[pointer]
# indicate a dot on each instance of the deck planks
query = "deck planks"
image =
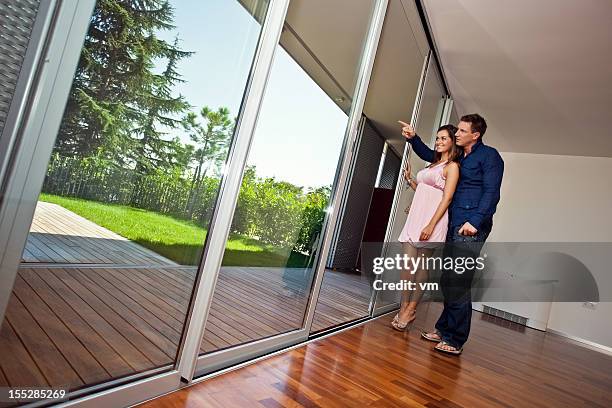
(16, 362)
(98, 323)
(97, 345)
(119, 308)
(96, 320)
(61, 236)
(52, 364)
(84, 363)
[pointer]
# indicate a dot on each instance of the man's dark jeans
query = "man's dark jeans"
(454, 322)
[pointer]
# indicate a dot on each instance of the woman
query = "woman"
(427, 221)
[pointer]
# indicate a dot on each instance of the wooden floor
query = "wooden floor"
(78, 325)
(503, 365)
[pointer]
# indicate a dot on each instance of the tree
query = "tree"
(212, 136)
(117, 100)
(159, 107)
(313, 217)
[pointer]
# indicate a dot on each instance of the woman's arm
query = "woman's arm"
(452, 178)
(411, 182)
(420, 148)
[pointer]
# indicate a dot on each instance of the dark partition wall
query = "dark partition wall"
(352, 222)
(390, 170)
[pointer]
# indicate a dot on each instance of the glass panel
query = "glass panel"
(264, 283)
(430, 113)
(111, 259)
(346, 291)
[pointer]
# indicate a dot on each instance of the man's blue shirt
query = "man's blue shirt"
(478, 190)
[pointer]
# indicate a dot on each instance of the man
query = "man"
(470, 221)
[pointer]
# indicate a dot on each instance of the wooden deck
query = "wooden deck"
(61, 236)
(106, 317)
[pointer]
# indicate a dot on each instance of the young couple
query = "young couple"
(454, 201)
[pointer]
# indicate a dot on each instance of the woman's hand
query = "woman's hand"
(407, 175)
(407, 171)
(426, 233)
(407, 130)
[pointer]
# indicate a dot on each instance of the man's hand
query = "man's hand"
(407, 130)
(467, 229)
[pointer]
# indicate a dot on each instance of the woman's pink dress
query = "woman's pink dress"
(430, 186)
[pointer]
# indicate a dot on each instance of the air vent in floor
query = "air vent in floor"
(505, 315)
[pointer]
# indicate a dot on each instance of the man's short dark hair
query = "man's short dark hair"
(477, 122)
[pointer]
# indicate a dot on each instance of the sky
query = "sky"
(300, 129)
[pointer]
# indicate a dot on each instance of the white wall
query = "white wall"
(548, 198)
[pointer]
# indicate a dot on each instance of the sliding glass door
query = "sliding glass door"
(270, 258)
(111, 258)
(168, 209)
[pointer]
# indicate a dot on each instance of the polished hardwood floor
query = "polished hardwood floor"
(503, 365)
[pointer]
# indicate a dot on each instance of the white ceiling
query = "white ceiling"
(540, 72)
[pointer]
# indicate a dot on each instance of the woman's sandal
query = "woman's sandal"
(449, 350)
(397, 325)
(432, 336)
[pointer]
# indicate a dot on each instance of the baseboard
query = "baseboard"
(582, 342)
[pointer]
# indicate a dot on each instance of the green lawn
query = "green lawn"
(173, 238)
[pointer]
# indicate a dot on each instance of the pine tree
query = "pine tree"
(160, 108)
(118, 103)
(212, 138)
